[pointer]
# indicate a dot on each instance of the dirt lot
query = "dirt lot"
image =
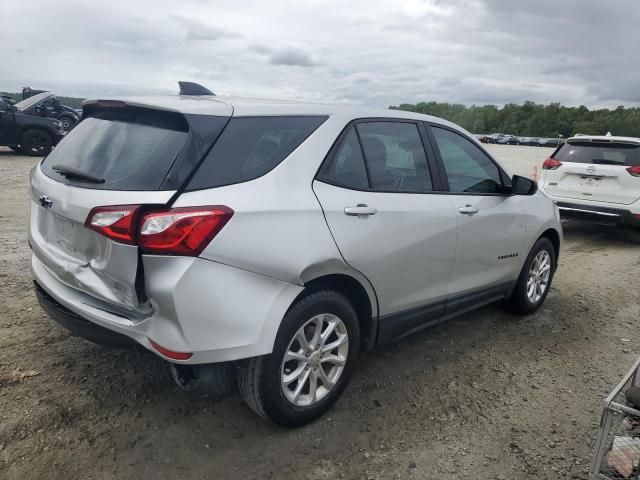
(489, 395)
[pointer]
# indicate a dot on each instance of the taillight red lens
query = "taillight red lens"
(551, 164)
(115, 222)
(635, 170)
(181, 231)
(169, 353)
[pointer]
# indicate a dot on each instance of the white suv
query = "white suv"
(596, 178)
(280, 239)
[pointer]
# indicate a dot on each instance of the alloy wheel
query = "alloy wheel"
(314, 360)
(539, 274)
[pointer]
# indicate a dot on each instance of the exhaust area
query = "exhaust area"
(206, 378)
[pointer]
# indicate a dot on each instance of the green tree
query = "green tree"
(533, 119)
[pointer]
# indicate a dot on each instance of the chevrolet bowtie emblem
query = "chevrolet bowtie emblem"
(45, 201)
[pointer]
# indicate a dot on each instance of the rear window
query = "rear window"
(119, 149)
(599, 153)
(250, 147)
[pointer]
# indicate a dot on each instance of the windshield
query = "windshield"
(609, 153)
(31, 101)
(119, 149)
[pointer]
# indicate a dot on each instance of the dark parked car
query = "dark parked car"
(48, 105)
(31, 134)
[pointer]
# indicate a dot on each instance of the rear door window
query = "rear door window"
(119, 149)
(623, 154)
(250, 147)
(395, 157)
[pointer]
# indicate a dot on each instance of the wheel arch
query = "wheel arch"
(20, 130)
(364, 301)
(554, 237)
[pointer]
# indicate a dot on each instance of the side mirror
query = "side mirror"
(523, 186)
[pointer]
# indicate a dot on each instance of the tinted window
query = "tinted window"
(599, 153)
(346, 167)
(50, 103)
(469, 169)
(249, 147)
(395, 157)
(129, 148)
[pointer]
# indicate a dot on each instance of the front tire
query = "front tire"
(36, 142)
(67, 122)
(313, 358)
(534, 281)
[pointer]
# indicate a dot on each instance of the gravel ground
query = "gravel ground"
(488, 395)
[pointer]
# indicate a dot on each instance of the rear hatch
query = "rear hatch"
(597, 170)
(120, 157)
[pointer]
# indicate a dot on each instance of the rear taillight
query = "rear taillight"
(551, 164)
(635, 170)
(117, 222)
(181, 231)
(172, 354)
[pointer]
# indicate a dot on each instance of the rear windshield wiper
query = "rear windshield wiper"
(71, 172)
(601, 161)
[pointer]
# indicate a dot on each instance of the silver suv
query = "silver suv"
(280, 238)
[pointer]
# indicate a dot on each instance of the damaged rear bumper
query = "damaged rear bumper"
(216, 312)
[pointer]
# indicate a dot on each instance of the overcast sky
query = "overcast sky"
(357, 51)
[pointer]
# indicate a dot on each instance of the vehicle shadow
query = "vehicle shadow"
(599, 235)
(7, 152)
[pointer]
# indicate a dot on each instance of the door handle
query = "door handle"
(361, 210)
(468, 210)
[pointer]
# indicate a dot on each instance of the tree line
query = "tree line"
(533, 119)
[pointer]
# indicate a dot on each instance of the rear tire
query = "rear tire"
(533, 284)
(283, 390)
(36, 142)
(633, 233)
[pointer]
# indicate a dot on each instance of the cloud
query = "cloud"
(291, 57)
(376, 52)
(198, 30)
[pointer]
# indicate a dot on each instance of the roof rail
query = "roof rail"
(191, 88)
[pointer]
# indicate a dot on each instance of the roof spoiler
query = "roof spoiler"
(191, 88)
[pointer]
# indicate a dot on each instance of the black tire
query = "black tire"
(15, 148)
(36, 142)
(259, 379)
(632, 233)
(67, 122)
(519, 302)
